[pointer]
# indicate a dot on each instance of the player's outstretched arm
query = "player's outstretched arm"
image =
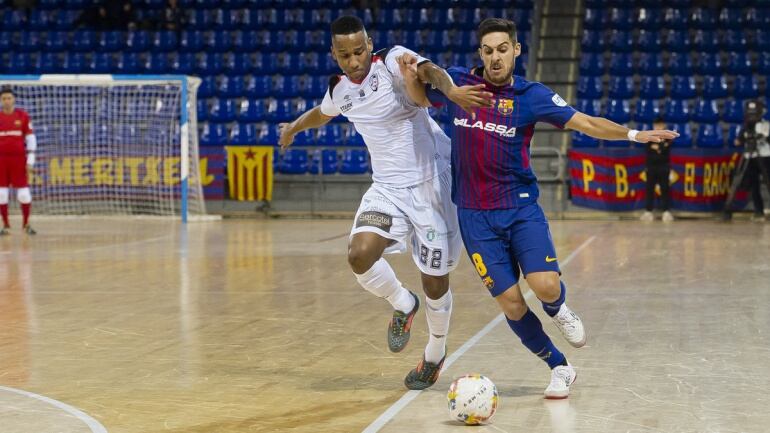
(308, 120)
(605, 129)
(415, 88)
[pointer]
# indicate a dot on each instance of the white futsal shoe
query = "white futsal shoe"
(570, 326)
(561, 378)
(667, 217)
(647, 216)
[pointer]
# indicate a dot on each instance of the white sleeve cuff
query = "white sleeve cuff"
(31, 158)
(632, 134)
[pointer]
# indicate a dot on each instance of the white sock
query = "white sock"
(437, 311)
(381, 281)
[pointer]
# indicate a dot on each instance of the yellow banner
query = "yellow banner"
(250, 172)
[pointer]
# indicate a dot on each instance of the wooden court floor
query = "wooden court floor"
(143, 326)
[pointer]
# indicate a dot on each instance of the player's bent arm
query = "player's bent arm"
(605, 129)
(415, 89)
(30, 142)
(310, 119)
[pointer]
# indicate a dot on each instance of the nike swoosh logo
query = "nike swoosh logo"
(550, 259)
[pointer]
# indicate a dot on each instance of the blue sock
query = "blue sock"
(551, 308)
(530, 331)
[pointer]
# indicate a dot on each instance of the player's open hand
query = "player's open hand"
(656, 136)
(471, 97)
(286, 137)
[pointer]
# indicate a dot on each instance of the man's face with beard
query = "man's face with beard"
(498, 52)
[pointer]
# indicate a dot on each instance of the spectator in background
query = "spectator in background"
(108, 15)
(658, 169)
(172, 17)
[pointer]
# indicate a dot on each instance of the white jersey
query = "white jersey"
(406, 145)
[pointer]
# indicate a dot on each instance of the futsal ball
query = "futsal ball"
(472, 399)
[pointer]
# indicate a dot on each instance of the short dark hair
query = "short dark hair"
(5, 90)
(347, 25)
(493, 25)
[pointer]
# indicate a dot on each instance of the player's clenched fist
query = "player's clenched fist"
(286, 135)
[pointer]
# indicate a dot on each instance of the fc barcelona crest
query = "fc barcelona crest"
(505, 106)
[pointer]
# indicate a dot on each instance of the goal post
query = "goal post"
(113, 144)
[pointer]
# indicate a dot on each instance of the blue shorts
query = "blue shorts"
(500, 242)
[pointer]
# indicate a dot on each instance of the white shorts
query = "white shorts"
(422, 215)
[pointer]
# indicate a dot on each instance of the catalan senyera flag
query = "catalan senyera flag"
(250, 172)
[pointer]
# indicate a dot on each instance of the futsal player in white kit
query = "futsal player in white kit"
(409, 200)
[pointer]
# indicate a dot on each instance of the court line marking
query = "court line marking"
(407, 398)
(93, 424)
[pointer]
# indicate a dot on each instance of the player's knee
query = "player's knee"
(435, 286)
(24, 195)
(4, 195)
(546, 285)
(361, 257)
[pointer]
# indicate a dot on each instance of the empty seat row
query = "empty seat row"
(705, 63)
(322, 161)
(647, 110)
(671, 17)
(334, 135)
(674, 40)
(681, 87)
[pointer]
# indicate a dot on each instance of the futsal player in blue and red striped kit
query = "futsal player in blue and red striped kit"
(504, 229)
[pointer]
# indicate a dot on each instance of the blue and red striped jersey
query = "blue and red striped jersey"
(490, 154)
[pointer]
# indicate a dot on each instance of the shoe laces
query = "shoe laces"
(566, 319)
(426, 370)
(561, 376)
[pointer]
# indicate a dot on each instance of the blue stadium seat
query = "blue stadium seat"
(222, 111)
(330, 135)
(427, 39)
(30, 41)
(739, 63)
(646, 110)
(709, 136)
(590, 87)
(677, 41)
(83, 40)
(49, 62)
(763, 64)
(191, 41)
(714, 87)
(352, 137)
(706, 40)
(595, 19)
(20, 63)
(74, 63)
(267, 41)
(679, 64)
(762, 37)
(253, 110)
(217, 40)
(202, 110)
(753, 18)
(65, 19)
(224, 19)
(181, 63)
(591, 64)
(245, 41)
(676, 111)
(621, 64)
(39, 20)
(621, 41)
(300, 105)
(706, 111)
(262, 64)
(745, 87)
(208, 86)
(708, 63)
(354, 161)
(285, 86)
(329, 66)
(732, 134)
(268, 135)
(213, 134)
(621, 19)
(243, 134)
(199, 19)
(54, 41)
(309, 63)
(127, 63)
(651, 64)
(703, 19)
(316, 40)
(682, 87)
(685, 135)
(209, 63)
(165, 41)
(734, 40)
(286, 63)
(258, 86)
(581, 140)
(675, 18)
(6, 41)
(231, 86)
(733, 111)
(593, 41)
(237, 63)
(652, 87)
(621, 87)
(111, 41)
(322, 18)
(591, 107)
(648, 41)
(305, 138)
(324, 161)
(648, 18)
(618, 110)
(156, 63)
(279, 110)
(13, 19)
(294, 161)
(137, 41)
(731, 19)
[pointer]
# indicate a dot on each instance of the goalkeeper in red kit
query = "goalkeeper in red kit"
(17, 157)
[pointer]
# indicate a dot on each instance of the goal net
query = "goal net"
(113, 145)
